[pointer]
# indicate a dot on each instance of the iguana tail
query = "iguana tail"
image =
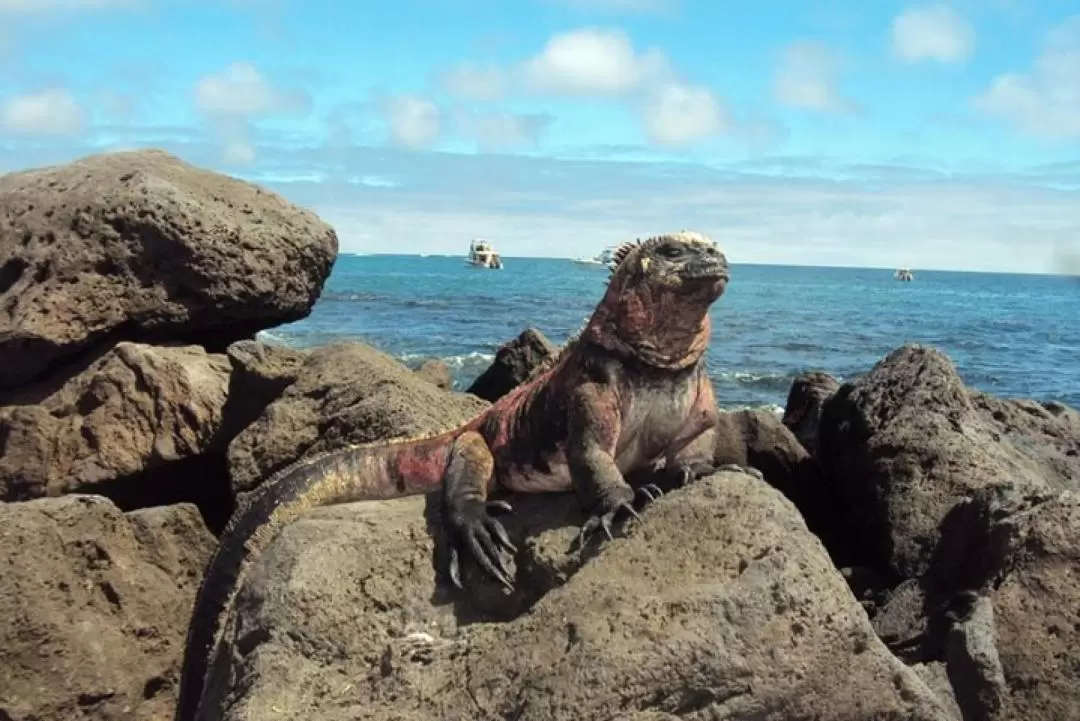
(388, 469)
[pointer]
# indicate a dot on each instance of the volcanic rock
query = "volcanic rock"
(142, 246)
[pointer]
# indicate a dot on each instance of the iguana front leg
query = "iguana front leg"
(593, 425)
(465, 485)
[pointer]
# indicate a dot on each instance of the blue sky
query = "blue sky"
(935, 135)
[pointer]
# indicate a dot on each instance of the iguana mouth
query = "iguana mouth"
(707, 269)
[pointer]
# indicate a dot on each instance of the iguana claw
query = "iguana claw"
(621, 499)
(485, 537)
(748, 470)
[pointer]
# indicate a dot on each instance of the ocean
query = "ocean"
(1011, 335)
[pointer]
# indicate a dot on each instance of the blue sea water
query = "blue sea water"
(1012, 335)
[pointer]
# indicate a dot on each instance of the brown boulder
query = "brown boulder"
(514, 362)
(1003, 596)
(260, 374)
(802, 411)
(907, 441)
(94, 606)
(132, 409)
(143, 246)
(437, 373)
(756, 437)
(345, 393)
(721, 605)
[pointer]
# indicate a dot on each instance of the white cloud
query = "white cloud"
(35, 6)
(677, 114)
(52, 111)
(957, 224)
(501, 130)
(239, 153)
(593, 62)
(232, 98)
(240, 90)
(412, 121)
(1044, 102)
(474, 82)
(932, 32)
(806, 78)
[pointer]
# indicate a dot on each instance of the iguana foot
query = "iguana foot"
(614, 500)
(687, 472)
(484, 537)
(748, 470)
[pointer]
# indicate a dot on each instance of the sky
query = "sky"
(817, 132)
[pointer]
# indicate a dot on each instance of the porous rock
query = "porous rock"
(260, 374)
(129, 410)
(94, 605)
(907, 441)
(514, 362)
(141, 245)
(436, 372)
(720, 605)
(344, 393)
(758, 438)
(802, 410)
(1010, 572)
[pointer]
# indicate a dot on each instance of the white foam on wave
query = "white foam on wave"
(454, 362)
(271, 338)
(775, 409)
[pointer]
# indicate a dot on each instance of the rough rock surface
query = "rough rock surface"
(260, 374)
(802, 410)
(143, 246)
(436, 372)
(514, 362)
(1009, 577)
(344, 393)
(721, 605)
(907, 441)
(94, 606)
(756, 437)
(132, 409)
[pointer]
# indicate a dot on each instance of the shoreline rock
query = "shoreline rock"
(94, 605)
(142, 246)
(720, 602)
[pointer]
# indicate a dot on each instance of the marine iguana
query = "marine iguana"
(628, 393)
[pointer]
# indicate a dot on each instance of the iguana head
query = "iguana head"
(657, 302)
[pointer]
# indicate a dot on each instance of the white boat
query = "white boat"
(604, 258)
(904, 274)
(482, 254)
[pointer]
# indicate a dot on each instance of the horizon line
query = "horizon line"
(913, 268)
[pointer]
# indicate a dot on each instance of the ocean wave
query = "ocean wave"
(272, 338)
(330, 295)
(454, 362)
(775, 409)
(750, 379)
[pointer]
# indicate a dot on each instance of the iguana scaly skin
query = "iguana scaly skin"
(628, 393)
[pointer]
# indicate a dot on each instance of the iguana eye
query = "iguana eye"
(670, 251)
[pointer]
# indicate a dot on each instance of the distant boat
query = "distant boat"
(482, 254)
(604, 258)
(904, 274)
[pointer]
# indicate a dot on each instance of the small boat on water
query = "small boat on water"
(482, 254)
(904, 274)
(602, 259)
